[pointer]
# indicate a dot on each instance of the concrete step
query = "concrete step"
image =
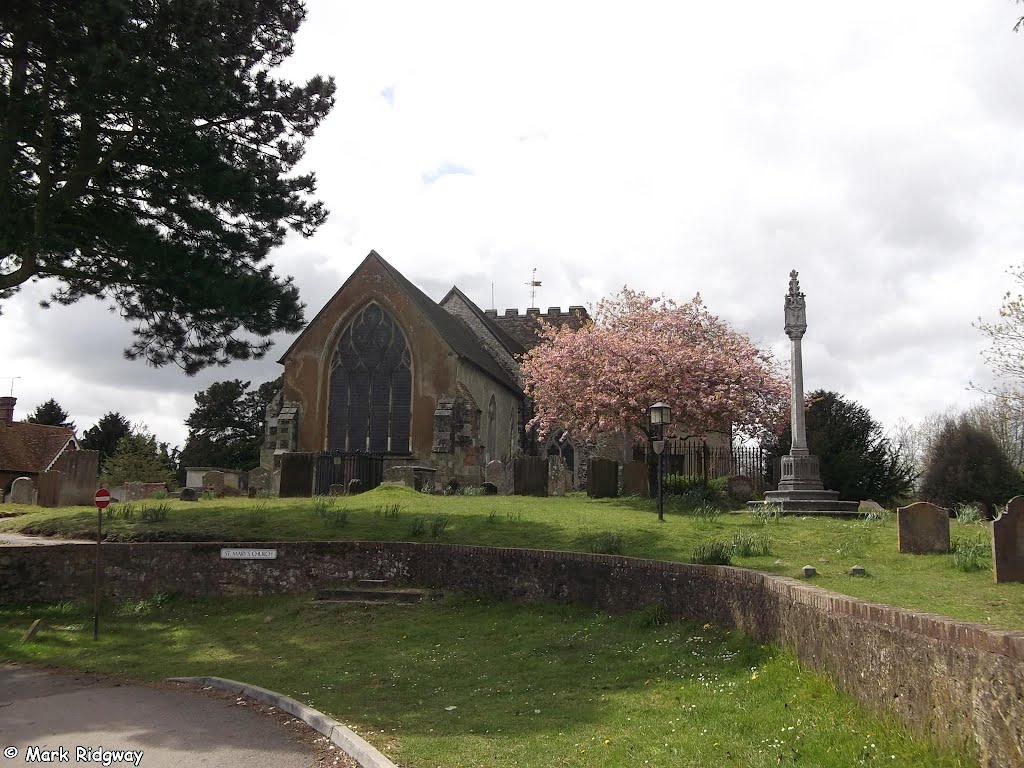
(830, 507)
(375, 595)
(373, 583)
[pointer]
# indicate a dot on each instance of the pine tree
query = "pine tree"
(105, 434)
(136, 459)
(226, 428)
(51, 413)
(855, 456)
(147, 154)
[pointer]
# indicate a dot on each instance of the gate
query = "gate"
(340, 467)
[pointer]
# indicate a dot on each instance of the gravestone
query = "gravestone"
(870, 505)
(739, 488)
(355, 485)
(275, 483)
(635, 481)
(336, 489)
(529, 476)
(490, 489)
(494, 473)
(134, 491)
(214, 479)
(22, 491)
(410, 476)
(259, 479)
(602, 479)
(296, 475)
(189, 494)
(558, 476)
(48, 489)
(1008, 542)
(922, 528)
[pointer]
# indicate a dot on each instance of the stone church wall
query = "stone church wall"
(308, 363)
(506, 418)
(456, 306)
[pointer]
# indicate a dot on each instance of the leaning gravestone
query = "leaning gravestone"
(529, 476)
(494, 473)
(558, 476)
(259, 479)
(1008, 542)
(48, 489)
(602, 478)
(922, 528)
(22, 491)
(635, 480)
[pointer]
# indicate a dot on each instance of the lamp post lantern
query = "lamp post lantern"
(660, 414)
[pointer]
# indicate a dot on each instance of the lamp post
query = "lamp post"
(660, 414)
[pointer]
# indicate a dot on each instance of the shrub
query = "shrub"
(712, 553)
(968, 513)
(492, 516)
(607, 543)
(417, 527)
(767, 513)
(751, 545)
(322, 506)
(437, 525)
(706, 512)
(695, 491)
(389, 510)
(970, 556)
(965, 464)
(123, 511)
(159, 494)
(337, 518)
(256, 515)
(156, 513)
(471, 490)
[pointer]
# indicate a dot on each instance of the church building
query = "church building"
(382, 368)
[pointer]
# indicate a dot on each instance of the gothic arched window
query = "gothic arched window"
(370, 396)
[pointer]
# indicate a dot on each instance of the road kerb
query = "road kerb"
(354, 745)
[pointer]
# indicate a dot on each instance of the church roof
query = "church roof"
(456, 333)
(514, 347)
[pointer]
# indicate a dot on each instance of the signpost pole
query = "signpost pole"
(101, 499)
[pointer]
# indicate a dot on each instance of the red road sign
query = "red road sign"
(102, 498)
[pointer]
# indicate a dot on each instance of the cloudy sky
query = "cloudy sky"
(672, 147)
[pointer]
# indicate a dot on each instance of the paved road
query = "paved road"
(174, 727)
(18, 540)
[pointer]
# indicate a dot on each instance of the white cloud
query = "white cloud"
(673, 147)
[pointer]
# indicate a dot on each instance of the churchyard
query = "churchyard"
(958, 583)
(467, 682)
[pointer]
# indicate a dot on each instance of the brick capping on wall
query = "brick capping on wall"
(959, 683)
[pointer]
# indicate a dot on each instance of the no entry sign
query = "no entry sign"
(102, 498)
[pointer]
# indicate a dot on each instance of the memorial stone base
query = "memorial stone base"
(801, 491)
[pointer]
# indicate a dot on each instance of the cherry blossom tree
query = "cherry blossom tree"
(640, 350)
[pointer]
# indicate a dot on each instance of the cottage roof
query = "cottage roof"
(26, 447)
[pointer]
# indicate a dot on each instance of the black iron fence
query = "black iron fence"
(702, 460)
(340, 467)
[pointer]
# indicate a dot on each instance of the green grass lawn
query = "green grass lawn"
(465, 683)
(922, 582)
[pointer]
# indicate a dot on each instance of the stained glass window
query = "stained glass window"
(370, 399)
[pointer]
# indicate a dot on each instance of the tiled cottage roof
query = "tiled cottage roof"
(26, 447)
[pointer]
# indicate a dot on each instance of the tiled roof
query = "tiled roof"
(26, 447)
(458, 335)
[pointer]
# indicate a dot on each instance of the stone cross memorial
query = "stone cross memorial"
(801, 490)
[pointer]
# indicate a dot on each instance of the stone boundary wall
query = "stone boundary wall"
(956, 682)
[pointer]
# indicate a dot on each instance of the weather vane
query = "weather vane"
(534, 284)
